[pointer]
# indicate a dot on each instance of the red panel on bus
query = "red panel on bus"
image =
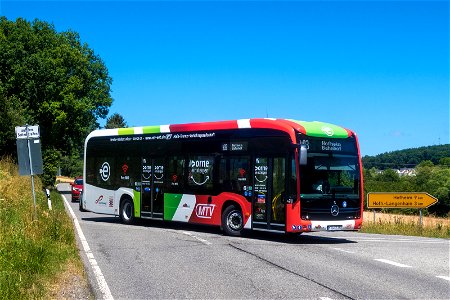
(208, 126)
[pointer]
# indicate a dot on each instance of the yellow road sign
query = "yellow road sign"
(400, 200)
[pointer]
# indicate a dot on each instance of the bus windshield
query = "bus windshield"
(330, 174)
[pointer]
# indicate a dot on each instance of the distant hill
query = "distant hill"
(407, 158)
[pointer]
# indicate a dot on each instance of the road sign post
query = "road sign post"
(29, 154)
(400, 200)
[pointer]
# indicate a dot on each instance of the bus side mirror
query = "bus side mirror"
(303, 155)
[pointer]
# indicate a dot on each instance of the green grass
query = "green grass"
(33, 252)
(401, 227)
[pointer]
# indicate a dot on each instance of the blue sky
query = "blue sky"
(380, 68)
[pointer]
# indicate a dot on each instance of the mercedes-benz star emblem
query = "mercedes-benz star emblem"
(334, 210)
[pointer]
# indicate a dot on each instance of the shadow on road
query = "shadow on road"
(311, 238)
(304, 239)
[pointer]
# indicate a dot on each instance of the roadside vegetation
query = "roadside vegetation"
(34, 252)
(431, 174)
(433, 178)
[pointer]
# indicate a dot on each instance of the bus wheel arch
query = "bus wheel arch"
(232, 219)
(126, 209)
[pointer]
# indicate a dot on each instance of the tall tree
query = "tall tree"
(50, 79)
(53, 80)
(115, 121)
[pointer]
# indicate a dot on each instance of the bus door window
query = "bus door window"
(278, 190)
(158, 188)
(146, 184)
(261, 186)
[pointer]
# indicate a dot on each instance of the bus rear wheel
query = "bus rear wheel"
(126, 211)
(232, 221)
(81, 208)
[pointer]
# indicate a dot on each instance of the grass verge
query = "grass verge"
(33, 251)
(406, 225)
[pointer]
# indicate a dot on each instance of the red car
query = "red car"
(77, 188)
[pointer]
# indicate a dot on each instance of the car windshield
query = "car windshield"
(79, 181)
(327, 173)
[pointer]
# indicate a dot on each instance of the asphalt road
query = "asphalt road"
(169, 260)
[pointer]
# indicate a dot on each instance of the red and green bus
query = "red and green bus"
(263, 174)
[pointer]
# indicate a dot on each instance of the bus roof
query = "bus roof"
(314, 129)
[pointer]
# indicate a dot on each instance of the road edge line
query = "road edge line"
(102, 284)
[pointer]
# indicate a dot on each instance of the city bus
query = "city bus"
(262, 174)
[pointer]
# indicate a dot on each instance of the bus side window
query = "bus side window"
(234, 174)
(104, 170)
(240, 168)
(175, 174)
(200, 173)
(127, 171)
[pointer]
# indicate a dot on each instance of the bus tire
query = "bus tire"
(80, 205)
(232, 221)
(126, 212)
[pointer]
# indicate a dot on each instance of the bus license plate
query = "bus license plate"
(334, 227)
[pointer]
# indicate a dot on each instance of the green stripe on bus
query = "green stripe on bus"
(151, 129)
(126, 131)
(137, 203)
(171, 202)
(320, 129)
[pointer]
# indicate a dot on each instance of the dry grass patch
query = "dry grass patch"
(64, 179)
(406, 225)
(71, 283)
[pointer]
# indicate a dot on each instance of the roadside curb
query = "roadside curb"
(96, 281)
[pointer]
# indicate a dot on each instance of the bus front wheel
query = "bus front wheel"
(232, 221)
(126, 211)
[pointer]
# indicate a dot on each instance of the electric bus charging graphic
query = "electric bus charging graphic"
(105, 171)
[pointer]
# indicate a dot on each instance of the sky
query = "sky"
(380, 68)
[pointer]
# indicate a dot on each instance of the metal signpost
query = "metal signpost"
(400, 200)
(29, 154)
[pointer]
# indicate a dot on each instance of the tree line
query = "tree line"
(432, 175)
(408, 158)
(54, 80)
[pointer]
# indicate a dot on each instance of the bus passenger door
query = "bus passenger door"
(261, 192)
(152, 188)
(146, 186)
(157, 188)
(269, 190)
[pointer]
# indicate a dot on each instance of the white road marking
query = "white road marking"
(392, 263)
(197, 238)
(325, 298)
(444, 277)
(342, 250)
(103, 286)
(379, 239)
